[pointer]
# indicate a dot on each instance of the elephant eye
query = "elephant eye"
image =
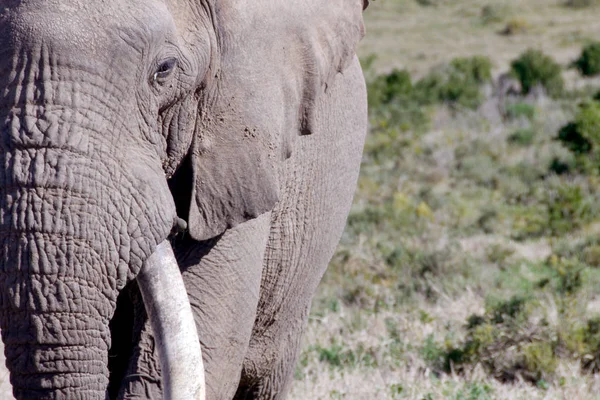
(164, 70)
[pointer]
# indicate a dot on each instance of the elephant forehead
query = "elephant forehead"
(83, 27)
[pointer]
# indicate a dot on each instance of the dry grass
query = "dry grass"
(320, 382)
(405, 35)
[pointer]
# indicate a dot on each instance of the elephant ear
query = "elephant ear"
(234, 178)
(265, 94)
(331, 39)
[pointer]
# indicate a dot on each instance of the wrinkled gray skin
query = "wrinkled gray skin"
(119, 120)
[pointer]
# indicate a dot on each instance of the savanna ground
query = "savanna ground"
(470, 265)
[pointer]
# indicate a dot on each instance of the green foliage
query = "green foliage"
(591, 345)
(396, 390)
(522, 137)
(338, 356)
(515, 26)
(392, 102)
(511, 343)
(587, 122)
(476, 68)
(529, 223)
(573, 140)
(581, 3)
(474, 391)
(569, 208)
(582, 137)
(535, 68)
(456, 84)
(430, 3)
(589, 61)
(395, 102)
(384, 89)
(520, 110)
(499, 254)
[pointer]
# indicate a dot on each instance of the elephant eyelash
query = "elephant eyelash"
(164, 70)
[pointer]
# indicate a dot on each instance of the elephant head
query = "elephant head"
(120, 120)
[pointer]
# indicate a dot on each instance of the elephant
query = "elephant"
(175, 178)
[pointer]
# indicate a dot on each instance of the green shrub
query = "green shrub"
(535, 68)
(477, 68)
(582, 137)
(392, 102)
(573, 140)
(515, 26)
(457, 84)
(522, 137)
(589, 61)
(580, 3)
(587, 121)
(430, 3)
(429, 90)
(540, 360)
(569, 208)
(504, 341)
(529, 223)
(395, 85)
(395, 102)
(474, 391)
(337, 356)
(591, 338)
(520, 110)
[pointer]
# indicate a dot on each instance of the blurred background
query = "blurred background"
(470, 265)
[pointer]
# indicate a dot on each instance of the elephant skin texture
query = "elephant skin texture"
(231, 128)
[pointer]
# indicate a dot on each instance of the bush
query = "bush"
(457, 84)
(430, 3)
(392, 102)
(589, 61)
(395, 85)
(522, 137)
(535, 68)
(580, 3)
(568, 209)
(520, 110)
(582, 137)
(573, 140)
(516, 26)
(477, 68)
(503, 341)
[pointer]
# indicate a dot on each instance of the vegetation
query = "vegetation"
(589, 61)
(534, 68)
(582, 137)
(581, 3)
(470, 264)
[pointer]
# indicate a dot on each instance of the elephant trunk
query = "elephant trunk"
(54, 304)
(65, 252)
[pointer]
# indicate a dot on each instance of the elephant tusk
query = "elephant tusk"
(173, 324)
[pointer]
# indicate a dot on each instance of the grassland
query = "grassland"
(470, 266)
